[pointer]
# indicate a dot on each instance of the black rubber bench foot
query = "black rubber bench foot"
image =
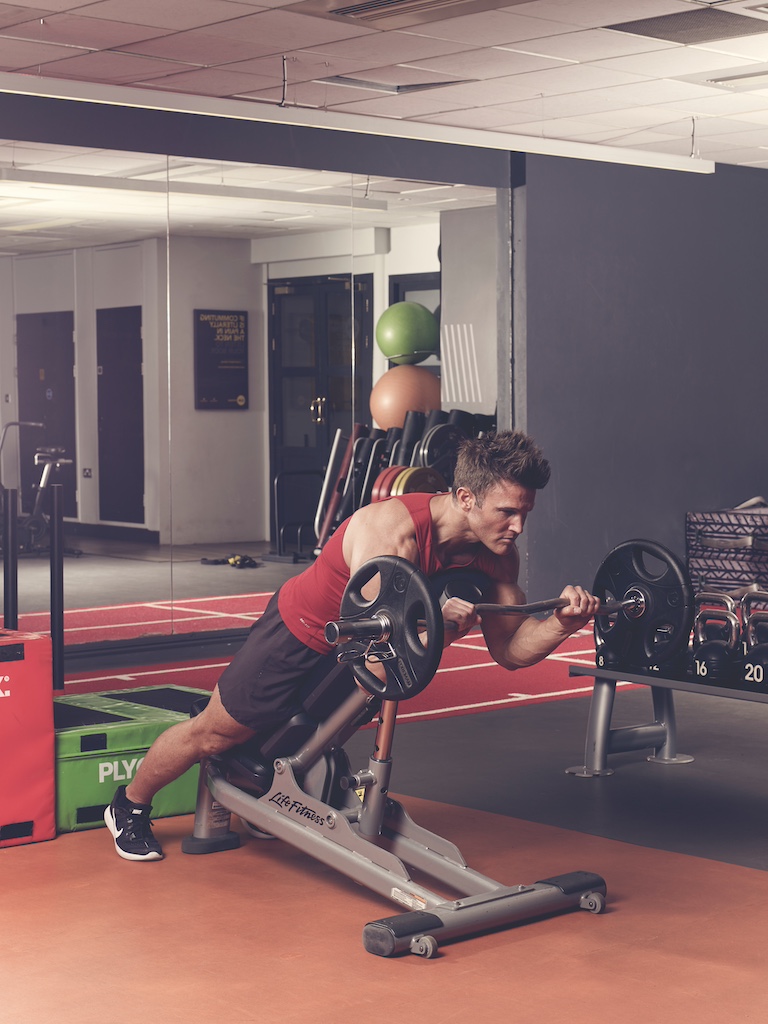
(196, 844)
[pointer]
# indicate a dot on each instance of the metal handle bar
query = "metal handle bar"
(606, 608)
(379, 627)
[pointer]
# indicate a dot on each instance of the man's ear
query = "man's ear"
(465, 498)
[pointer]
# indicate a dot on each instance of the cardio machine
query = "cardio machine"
(295, 783)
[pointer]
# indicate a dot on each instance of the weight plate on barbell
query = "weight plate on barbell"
(419, 479)
(439, 449)
(660, 625)
(383, 484)
(412, 652)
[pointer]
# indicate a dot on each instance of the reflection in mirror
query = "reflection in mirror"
(220, 318)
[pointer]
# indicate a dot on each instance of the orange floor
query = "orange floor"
(263, 934)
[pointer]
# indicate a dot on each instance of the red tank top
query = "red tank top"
(307, 601)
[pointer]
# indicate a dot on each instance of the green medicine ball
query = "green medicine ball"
(407, 333)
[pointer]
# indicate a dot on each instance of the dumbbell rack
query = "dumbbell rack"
(660, 734)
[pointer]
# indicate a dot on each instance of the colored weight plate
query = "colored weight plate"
(376, 490)
(382, 488)
(397, 484)
(420, 479)
(439, 449)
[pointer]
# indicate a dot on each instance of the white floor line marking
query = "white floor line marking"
(511, 699)
(150, 604)
(131, 676)
(157, 622)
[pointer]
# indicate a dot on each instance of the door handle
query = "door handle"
(317, 409)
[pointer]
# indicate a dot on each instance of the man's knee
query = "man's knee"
(215, 731)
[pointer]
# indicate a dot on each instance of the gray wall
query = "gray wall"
(468, 315)
(647, 355)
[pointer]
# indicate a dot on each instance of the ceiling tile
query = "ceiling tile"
(594, 13)
(285, 30)
(209, 82)
(485, 63)
(755, 47)
(32, 7)
(720, 104)
(12, 15)
(490, 28)
(661, 90)
(757, 136)
(16, 54)
(673, 63)
(407, 104)
(478, 117)
(406, 74)
(706, 127)
(194, 47)
(173, 14)
(591, 45)
(381, 48)
(652, 118)
(108, 66)
(91, 32)
(306, 94)
(754, 116)
(302, 65)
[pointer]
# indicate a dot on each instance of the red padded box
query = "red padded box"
(27, 759)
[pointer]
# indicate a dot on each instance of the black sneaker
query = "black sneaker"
(131, 829)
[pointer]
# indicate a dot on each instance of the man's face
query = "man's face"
(499, 519)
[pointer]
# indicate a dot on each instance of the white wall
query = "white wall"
(219, 458)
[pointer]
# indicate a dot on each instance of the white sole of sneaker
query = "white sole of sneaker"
(109, 821)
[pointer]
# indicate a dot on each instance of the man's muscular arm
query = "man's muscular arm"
(517, 641)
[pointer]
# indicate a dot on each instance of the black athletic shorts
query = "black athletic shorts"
(262, 684)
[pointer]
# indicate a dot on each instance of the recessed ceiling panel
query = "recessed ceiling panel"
(691, 27)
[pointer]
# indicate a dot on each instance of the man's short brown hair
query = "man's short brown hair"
(509, 456)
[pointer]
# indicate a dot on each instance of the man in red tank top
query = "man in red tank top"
(475, 525)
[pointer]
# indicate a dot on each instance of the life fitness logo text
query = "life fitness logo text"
(287, 803)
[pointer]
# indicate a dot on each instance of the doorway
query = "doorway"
(120, 397)
(320, 368)
(46, 381)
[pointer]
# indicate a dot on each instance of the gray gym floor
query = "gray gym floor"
(513, 762)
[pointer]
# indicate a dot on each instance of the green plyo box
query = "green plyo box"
(101, 738)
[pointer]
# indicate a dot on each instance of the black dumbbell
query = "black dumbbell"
(716, 660)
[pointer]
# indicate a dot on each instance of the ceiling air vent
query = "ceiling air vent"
(395, 14)
(373, 10)
(691, 27)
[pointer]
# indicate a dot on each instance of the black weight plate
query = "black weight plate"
(440, 448)
(410, 656)
(468, 584)
(663, 627)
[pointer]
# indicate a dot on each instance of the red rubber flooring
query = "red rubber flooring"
(467, 682)
(264, 934)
